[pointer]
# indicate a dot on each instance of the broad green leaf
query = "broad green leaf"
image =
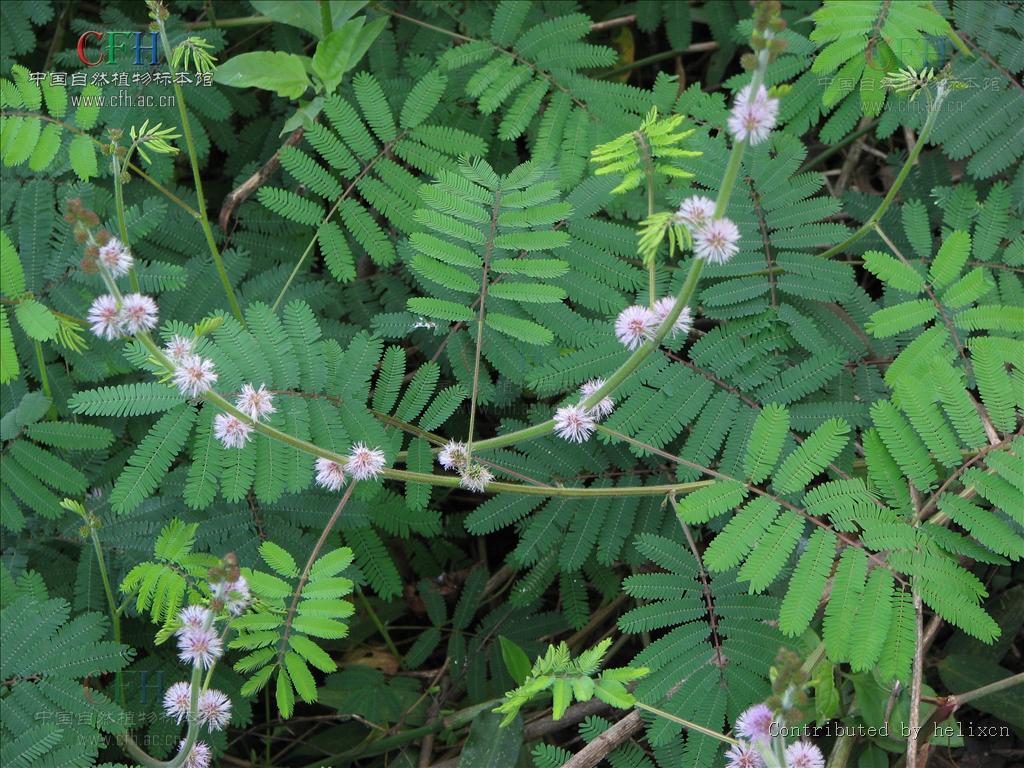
(516, 661)
(282, 73)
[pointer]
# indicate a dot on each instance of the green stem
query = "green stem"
(122, 220)
(381, 628)
(193, 159)
(239, 21)
(685, 723)
(115, 616)
(325, 17)
(44, 379)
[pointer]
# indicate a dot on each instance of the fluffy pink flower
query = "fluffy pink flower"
(574, 423)
(365, 463)
(754, 723)
(604, 406)
(453, 455)
(234, 594)
(753, 118)
(635, 325)
(742, 755)
(199, 757)
(717, 242)
(683, 323)
(193, 617)
(475, 477)
(200, 646)
(696, 211)
(178, 348)
(255, 403)
(231, 431)
(115, 257)
(138, 313)
(177, 700)
(213, 710)
(104, 317)
(329, 474)
(194, 375)
(803, 754)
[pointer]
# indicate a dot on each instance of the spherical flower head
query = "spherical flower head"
(231, 431)
(234, 594)
(635, 325)
(255, 403)
(754, 723)
(178, 348)
(475, 477)
(743, 97)
(696, 211)
(138, 313)
(199, 757)
(201, 647)
(803, 754)
(194, 375)
(193, 617)
(574, 423)
(604, 406)
(105, 317)
(683, 323)
(717, 242)
(753, 122)
(177, 700)
(743, 755)
(213, 709)
(365, 463)
(453, 455)
(115, 257)
(329, 474)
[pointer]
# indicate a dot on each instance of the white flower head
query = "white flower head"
(717, 242)
(453, 455)
(193, 617)
(178, 348)
(200, 646)
(138, 313)
(194, 375)
(696, 211)
(255, 403)
(574, 423)
(635, 325)
(213, 709)
(365, 463)
(743, 755)
(604, 406)
(177, 700)
(329, 474)
(683, 323)
(475, 477)
(115, 257)
(234, 594)
(754, 723)
(231, 431)
(753, 117)
(199, 757)
(803, 754)
(105, 318)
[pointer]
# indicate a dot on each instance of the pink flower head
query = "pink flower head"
(683, 323)
(231, 431)
(178, 348)
(115, 257)
(803, 754)
(717, 242)
(234, 594)
(574, 423)
(754, 723)
(177, 700)
(255, 403)
(105, 318)
(193, 617)
(696, 211)
(138, 313)
(635, 325)
(365, 463)
(742, 755)
(329, 474)
(475, 477)
(453, 455)
(753, 118)
(201, 647)
(199, 757)
(194, 375)
(213, 710)
(604, 406)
